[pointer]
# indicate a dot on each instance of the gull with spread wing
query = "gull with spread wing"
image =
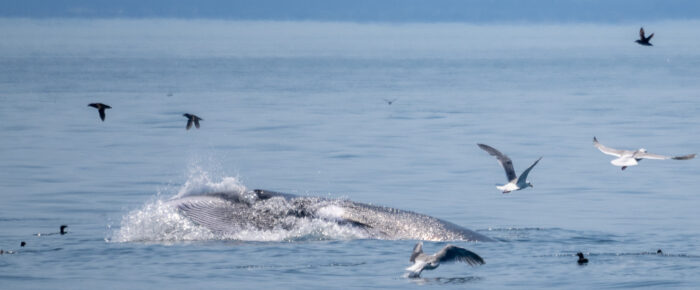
(449, 253)
(514, 182)
(631, 158)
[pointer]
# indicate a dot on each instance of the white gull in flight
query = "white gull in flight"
(514, 182)
(631, 158)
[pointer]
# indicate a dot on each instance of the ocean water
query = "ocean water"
(298, 107)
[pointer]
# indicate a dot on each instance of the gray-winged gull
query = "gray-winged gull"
(514, 182)
(449, 253)
(631, 158)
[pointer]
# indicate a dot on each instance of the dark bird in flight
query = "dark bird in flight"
(63, 229)
(642, 39)
(581, 259)
(449, 253)
(101, 108)
(192, 119)
(390, 101)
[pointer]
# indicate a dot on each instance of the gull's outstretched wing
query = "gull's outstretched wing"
(503, 159)
(607, 150)
(523, 176)
(417, 250)
(662, 157)
(452, 253)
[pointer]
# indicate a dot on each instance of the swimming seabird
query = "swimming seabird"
(390, 101)
(632, 158)
(22, 244)
(514, 182)
(659, 252)
(192, 119)
(644, 40)
(581, 259)
(101, 108)
(449, 253)
(63, 229)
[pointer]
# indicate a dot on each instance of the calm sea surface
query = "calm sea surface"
(299, 107)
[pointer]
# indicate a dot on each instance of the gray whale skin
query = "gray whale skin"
(267, 210)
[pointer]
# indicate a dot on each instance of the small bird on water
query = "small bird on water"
(22, 244)
(642, 39)
(192, 119)
(449, 253)
(63, 229)
(581, 259)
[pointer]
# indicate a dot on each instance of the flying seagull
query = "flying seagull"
(514, 182)
(644, 40)
(192, 119)
(390, 101)
(449, 253)
(100, 108)
(632, 158)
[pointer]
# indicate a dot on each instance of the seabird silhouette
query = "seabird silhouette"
(22, 244)
(390, 101)
(644, 40)
(192, 119)
(514, 182)
(581, 259)
(100, 108)
(631, 158)
(449, 253)
(63, 229)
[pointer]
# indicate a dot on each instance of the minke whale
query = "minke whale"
(231, 212)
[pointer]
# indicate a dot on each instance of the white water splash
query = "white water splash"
(160, 221)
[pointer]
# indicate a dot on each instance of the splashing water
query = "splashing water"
(160, 221)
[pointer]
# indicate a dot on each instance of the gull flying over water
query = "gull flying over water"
(100, 108)
(514, 182)
(390, 101)
(192, 119)
(631, 158)
(642, 39)
(448, 254)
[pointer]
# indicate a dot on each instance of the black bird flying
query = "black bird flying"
(101, 108)
(642, 39)
(192, 119)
